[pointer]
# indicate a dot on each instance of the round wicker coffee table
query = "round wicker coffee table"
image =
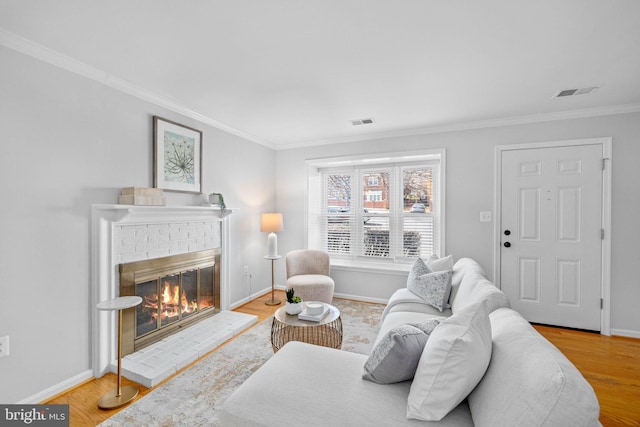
(286, 327)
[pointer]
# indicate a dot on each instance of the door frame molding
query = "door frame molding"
(606, 144)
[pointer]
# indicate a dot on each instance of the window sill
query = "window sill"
(370, 267)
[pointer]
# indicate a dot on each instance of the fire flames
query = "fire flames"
(172, 302)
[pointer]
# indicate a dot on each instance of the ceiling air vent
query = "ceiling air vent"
(578, 91)
(361, 122)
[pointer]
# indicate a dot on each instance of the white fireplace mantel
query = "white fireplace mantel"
(106, 220)
(154, 214)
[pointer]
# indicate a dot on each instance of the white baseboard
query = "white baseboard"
(625, 333)
(361, 298)
(250, 298)
(58, 388)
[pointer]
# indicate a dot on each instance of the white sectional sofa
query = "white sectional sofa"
(528, 381)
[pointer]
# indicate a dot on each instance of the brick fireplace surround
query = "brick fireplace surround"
(124, 233)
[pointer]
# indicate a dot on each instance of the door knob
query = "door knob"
(507, 232)
(507, 244)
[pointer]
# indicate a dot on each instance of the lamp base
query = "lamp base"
(272, 301)
(110, 400)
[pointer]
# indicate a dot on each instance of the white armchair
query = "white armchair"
(308, 275)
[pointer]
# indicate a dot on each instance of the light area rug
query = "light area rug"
(193, 397)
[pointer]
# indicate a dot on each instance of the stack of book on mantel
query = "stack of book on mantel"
(142, 196)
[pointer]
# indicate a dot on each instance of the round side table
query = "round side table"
(119, 396)
(286, 327)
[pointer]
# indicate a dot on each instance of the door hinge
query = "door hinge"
(602, 234)
(604, 163)
(601, 303)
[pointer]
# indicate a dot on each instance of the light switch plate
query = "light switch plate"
(4, 346)
(485, 216)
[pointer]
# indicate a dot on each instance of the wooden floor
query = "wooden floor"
(610, 364)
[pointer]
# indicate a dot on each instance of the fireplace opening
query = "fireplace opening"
(176, 292)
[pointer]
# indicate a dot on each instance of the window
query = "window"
(374, 196)
(377, 210)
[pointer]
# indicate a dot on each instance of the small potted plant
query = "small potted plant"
(294, 302)
(217, 199)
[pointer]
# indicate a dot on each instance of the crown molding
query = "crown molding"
(53, 57)
(28, 47)
(480, 124)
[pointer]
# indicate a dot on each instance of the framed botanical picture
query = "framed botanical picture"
(177, 157)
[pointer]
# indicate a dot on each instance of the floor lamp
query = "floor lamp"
(272, 223)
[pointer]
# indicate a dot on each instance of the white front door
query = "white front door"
(551, 234)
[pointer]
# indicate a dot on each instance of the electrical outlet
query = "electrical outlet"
(246, 270)
(4, 346)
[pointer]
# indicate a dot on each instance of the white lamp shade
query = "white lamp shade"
(271, 222)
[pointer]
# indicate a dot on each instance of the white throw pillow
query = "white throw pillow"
(440, 264)
(433, 287)
(396, 356)
(453, 362)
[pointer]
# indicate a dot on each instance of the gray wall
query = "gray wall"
(470, 189)
(66, 143)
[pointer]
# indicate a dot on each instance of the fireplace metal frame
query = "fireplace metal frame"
(153, 269)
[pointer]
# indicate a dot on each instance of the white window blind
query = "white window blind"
(386, 210)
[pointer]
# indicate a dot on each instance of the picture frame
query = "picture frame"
(177, 157)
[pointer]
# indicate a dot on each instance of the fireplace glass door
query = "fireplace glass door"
(173, 295)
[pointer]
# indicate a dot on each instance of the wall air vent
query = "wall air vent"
(361, 122)
(577, 91)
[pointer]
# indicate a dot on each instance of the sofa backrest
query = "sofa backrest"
(529, 382)
(469, 285)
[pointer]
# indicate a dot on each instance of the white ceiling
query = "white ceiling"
(289, 73)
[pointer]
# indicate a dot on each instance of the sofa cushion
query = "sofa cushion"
(403, 300)
(395, 357)
(529, 381)
(314, 386)
(433, 287)
(399, 318)
(454, 360)
(469, 285)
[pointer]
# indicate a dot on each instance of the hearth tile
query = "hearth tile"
(239, 328)
(210, 345)
(157, 377)
(141, 354)
(222, 337)
(187, 360)
(153, 364)
(175, 338)
(181, 349)
(195, 333)
(204, 348)
(130, 367)
(154, 360)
